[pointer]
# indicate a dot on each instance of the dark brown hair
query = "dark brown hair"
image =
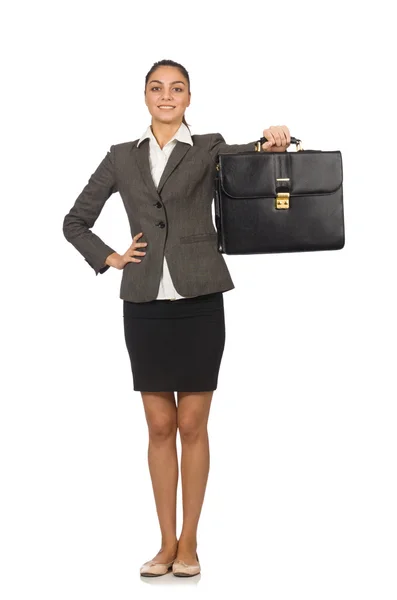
(170, 63)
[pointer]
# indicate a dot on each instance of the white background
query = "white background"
(301, 497)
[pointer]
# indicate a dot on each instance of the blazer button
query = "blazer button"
(158, 204)
(161, 224)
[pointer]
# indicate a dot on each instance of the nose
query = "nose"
(167, 96)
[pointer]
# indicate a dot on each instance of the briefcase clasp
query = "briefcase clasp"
(282, 200)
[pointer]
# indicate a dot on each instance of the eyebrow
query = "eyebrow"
(172, 82)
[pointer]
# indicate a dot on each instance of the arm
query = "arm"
(85, 211)
(276, 138)
(218, 145)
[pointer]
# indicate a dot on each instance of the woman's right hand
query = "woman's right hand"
(118, 261)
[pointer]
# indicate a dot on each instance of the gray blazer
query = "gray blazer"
(175, 218)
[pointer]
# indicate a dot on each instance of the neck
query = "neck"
(164, 132)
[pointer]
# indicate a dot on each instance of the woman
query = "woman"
(173, 304)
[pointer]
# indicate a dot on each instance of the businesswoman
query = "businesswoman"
(172, 284)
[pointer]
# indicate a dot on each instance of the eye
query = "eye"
(157, 88)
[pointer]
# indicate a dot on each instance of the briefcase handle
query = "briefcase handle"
(294, 140)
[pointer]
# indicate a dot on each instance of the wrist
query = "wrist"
(111, 256)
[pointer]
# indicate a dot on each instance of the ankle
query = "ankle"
(169, 544)
(187, 541)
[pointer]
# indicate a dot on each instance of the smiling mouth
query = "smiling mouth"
(166, 107)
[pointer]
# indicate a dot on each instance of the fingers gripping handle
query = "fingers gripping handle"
(294, 140)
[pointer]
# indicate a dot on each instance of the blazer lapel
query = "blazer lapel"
(141, 154)
(173, 161)
(142, 159)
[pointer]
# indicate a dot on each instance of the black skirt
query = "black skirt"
(175, 345)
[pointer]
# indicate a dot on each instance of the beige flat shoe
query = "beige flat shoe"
(181, 569)
(153, 569)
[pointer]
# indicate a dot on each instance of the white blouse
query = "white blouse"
(158, 159)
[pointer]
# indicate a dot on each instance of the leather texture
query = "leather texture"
(175, 218)
(246, 187)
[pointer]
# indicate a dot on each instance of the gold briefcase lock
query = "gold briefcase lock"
(282, 198)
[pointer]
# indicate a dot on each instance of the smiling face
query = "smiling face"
(167, 87)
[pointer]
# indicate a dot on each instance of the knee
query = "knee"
(190, 429)
(162, 429)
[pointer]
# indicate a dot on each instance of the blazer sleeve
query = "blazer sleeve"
(80, 219)
(218, 145)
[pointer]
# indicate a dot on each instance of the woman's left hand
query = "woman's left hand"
(278, 138)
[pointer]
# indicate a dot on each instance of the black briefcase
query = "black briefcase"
(279, 201)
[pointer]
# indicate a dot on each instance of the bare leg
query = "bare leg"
(192, 412)
(161, 417)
